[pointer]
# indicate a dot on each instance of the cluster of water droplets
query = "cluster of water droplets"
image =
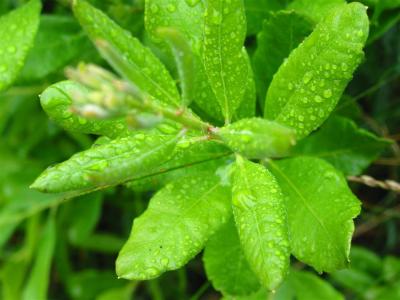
(17, 30)
(184, 223)
(262, 225)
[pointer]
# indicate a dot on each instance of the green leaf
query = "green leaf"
(175, 227)
(141, 66)
(59, 41)
(17, 34)
(224, 59)
(83, 224)
(316, 10)
(184, 61)
(281, 33)
(38, 281)
(258, 10)
(56, 101)
(260, 216)
(226, 265)
(188, 158)
(88, 284)
(257, 138)
(340, 142)
(320, 208)
(116, 162)
(310, 82)
(187, 17)
(247, 108)
(391, 268)
(365, 268)
(302, 285)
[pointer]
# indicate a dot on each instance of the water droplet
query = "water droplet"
(171, 8)
(184, 144)
(11, 49)
(154, 8)
(151, 272)
(318, 99)
(140, 136)
(290, 86)
(164, 261)
(327, 93)
(307, 77)
(82, 121)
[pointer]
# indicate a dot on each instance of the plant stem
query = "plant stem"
(182, 116)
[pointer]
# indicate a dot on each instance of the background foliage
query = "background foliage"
(57, 248)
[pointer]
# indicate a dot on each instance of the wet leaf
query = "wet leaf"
(309, 84)
(141, 66)
(320, 209)
(226, 265)
(116, 162)
(258, 138)
(184, 61)
(260, 216)
(224, 60)
(17, 34)
(175, 227)
(316, 10)
(340, 142)
(56, 101)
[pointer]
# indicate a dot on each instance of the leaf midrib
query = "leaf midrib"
(304, 201)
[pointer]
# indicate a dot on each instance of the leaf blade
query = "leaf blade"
(109, 164)
(225, 263)
(141, 66)
(184, 224)
(257, 138)
(224, 60)
(56, 101)
(260, 216)
(340, 142)
(17, 33)
(309, 84)
(320, 213)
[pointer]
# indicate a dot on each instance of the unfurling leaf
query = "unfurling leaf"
(258, 138)
(17, 35)
(140, 66)
(175, 227)
(225, 61)
(57, 100)
(260, 216)
(320, 208)
(109, 164)
(184, 61)
(310, 82)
